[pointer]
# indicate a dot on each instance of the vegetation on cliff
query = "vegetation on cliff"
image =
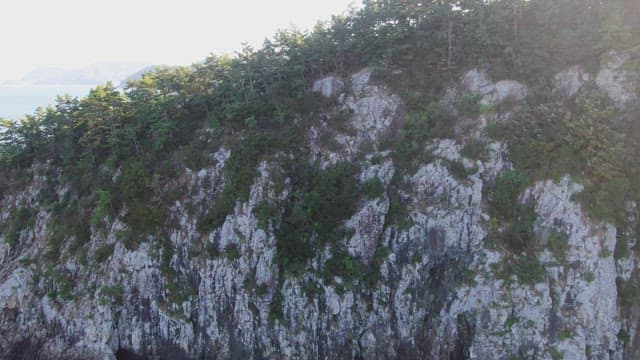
(119, 150)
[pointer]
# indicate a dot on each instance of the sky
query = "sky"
(77, 33)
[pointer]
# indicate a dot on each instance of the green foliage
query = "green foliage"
(179, 292)
(526, 268)
(629, 291)
(144, 219)
(565, 334)
(469, 104)
(589, 276)
(474, 149)
(349, 269)
(511, 320)
(266, 211)
(26, 261)
(556, 354)
(373, 188)
(503, 194)
(193, 156)
(249, 103)
(103, 253)
(240, 171)
(558, 244)
(621, 250)
(103, 207)
(58, 283)
(21, 219)
(381, 254)
(408, 155)
(111, 295)
(548, 140)
(430, 122)
(232, 252)
(398, 213)
(431, 42)
(518, 235)
(410, 143)
(458, 170)
(134, 182)
(623, 336)
(321, 201)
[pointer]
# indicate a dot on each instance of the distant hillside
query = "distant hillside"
(93, 74)
(138, 74)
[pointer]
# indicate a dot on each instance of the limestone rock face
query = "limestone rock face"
(615, 80)
(329, 87)
(437, 292)
(478, 81)
(570, 81)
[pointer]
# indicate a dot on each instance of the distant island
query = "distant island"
(90, 75)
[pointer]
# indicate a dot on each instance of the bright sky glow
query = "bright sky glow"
(77, 33)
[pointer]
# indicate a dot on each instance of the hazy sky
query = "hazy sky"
(75, 33)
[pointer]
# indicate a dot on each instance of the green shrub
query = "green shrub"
(511, 320)
(193, 156)
(526, 268)
(21, 219)
(565, 334)
(458, 170)
(266, 211)
(556, 354)
(623, 336)
(503, 194)
(429, 122)
(469, 104)
(398, 213)
(232, 252)
(146, 219)
(65, 287)
(240, 171)
(589, 276)
(134, 182)
(381, 254)
(103, 206)
(342, 265)
(558, 244)
(320, 203)
(518, 235)
(103, 253)
(409, 155)
(212, 250)
(621, 250)
(373, 188)
(223, 205)
(628, 291)
(179, 291)
(111, 294)
(474, 149)
(583, 139)
(81, 233)
(58, 283)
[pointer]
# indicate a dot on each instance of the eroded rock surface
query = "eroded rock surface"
(438, 291)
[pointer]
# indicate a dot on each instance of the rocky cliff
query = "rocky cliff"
(438, 284)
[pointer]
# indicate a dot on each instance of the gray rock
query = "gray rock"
(436, 293)
(329, 87)
(615, 80)
(568, 82)
(479, 82)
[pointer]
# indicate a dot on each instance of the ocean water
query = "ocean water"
(19, 100)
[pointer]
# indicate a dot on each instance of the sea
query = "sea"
(16, 101)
